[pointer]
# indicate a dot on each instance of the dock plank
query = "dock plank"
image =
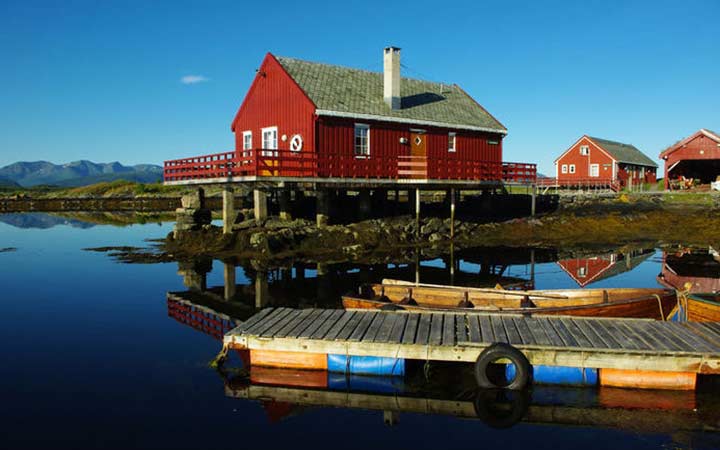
(580, 337)
(383, 334)
(349, 327)
(436, 329)
(704, 333)
(314, 325)
(584, 327)
(254, 319)
(324, 329)
(306, 323)
(486, 330)
(411, 327)
(538, 333)
(627, 340)
(498, 329)
(362, 328)
(269, 321)
(423, 329)
(683, 335)
(652, 341)
(567, 337)
(511, 331)
(602, 333)
(473, 324)
(553, 335)
(339, 325)
(398, 329)
(449, 325)
(374, 327)
(524, 331)
(461, 328)
(287, 330)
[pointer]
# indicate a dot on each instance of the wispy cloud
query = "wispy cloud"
(194, 79)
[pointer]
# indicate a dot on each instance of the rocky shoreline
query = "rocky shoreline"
(579, 224)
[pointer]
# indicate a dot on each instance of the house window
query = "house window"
(269, 141)
(584, 150)
(594, 170)
(564, 168)
(362, 139)
(572, 168)
(247, 143)
(451, 142)
(582, 272)
(493, 142)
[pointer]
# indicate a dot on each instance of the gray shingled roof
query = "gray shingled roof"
(624, 153)
(353, 91)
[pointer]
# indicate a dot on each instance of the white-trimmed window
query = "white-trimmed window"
(572, 168)
(362, 139)
(451, 142)
(582, 272)
(584, 150)
(594, 170)
(269, 141)
(247, 143)
(564, 168)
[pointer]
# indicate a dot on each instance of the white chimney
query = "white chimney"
(391, 76)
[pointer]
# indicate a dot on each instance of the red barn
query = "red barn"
(302, 120)
(593, 161)
(693, 160)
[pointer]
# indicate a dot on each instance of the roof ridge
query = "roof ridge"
(611, 141)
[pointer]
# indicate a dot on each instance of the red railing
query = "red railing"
(580, 183)
(272, 163)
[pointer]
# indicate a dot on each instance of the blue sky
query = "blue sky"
(101, 80)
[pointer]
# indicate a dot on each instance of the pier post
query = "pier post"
(260, 204)
(284, 200)
(230, 282)
(390, 418)
(261, 289)
(322, 207)
(364, 205)
(452, 213)
(228, 209)
(533, 198)
(417, 210)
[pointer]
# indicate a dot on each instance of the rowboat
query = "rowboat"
(611, 302)
(703, 307)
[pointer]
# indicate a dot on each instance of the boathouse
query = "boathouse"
(600, 163)
(322, 129)
(693, 161)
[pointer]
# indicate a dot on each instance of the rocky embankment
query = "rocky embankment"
(579, 223)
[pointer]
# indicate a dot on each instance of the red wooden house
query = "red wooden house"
(695, 159)
(592, 161)
(301, 121)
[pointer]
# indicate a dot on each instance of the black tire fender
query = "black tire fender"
(500, 408)
(502, 351)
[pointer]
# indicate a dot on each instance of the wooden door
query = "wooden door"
(418, 154)
(418, 144)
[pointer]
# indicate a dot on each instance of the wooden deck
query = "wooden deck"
(633, 344)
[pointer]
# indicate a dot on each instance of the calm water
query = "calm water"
(95, 356)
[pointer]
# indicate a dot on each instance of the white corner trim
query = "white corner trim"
(349, 115)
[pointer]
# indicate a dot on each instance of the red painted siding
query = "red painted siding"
(585, 270)
(582, 163)
(336, 136)
(274, 99)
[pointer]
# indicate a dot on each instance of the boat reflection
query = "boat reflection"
(699, 268)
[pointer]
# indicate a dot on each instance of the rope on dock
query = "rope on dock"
(221, 357)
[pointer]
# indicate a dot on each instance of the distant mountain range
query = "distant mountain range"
(78, 173)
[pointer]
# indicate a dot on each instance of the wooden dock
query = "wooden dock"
(602, 343)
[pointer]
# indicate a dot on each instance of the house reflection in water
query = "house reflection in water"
(593, 269)
(701, 268)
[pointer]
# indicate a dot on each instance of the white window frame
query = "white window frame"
(273, 144)
(564, 168)
(584, 150)
(571, 168)
(246, 146)
(582, 272)
(364, 152)
(452, 142)
(594, 170)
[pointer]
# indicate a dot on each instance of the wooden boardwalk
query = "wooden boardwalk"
(633, 344)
